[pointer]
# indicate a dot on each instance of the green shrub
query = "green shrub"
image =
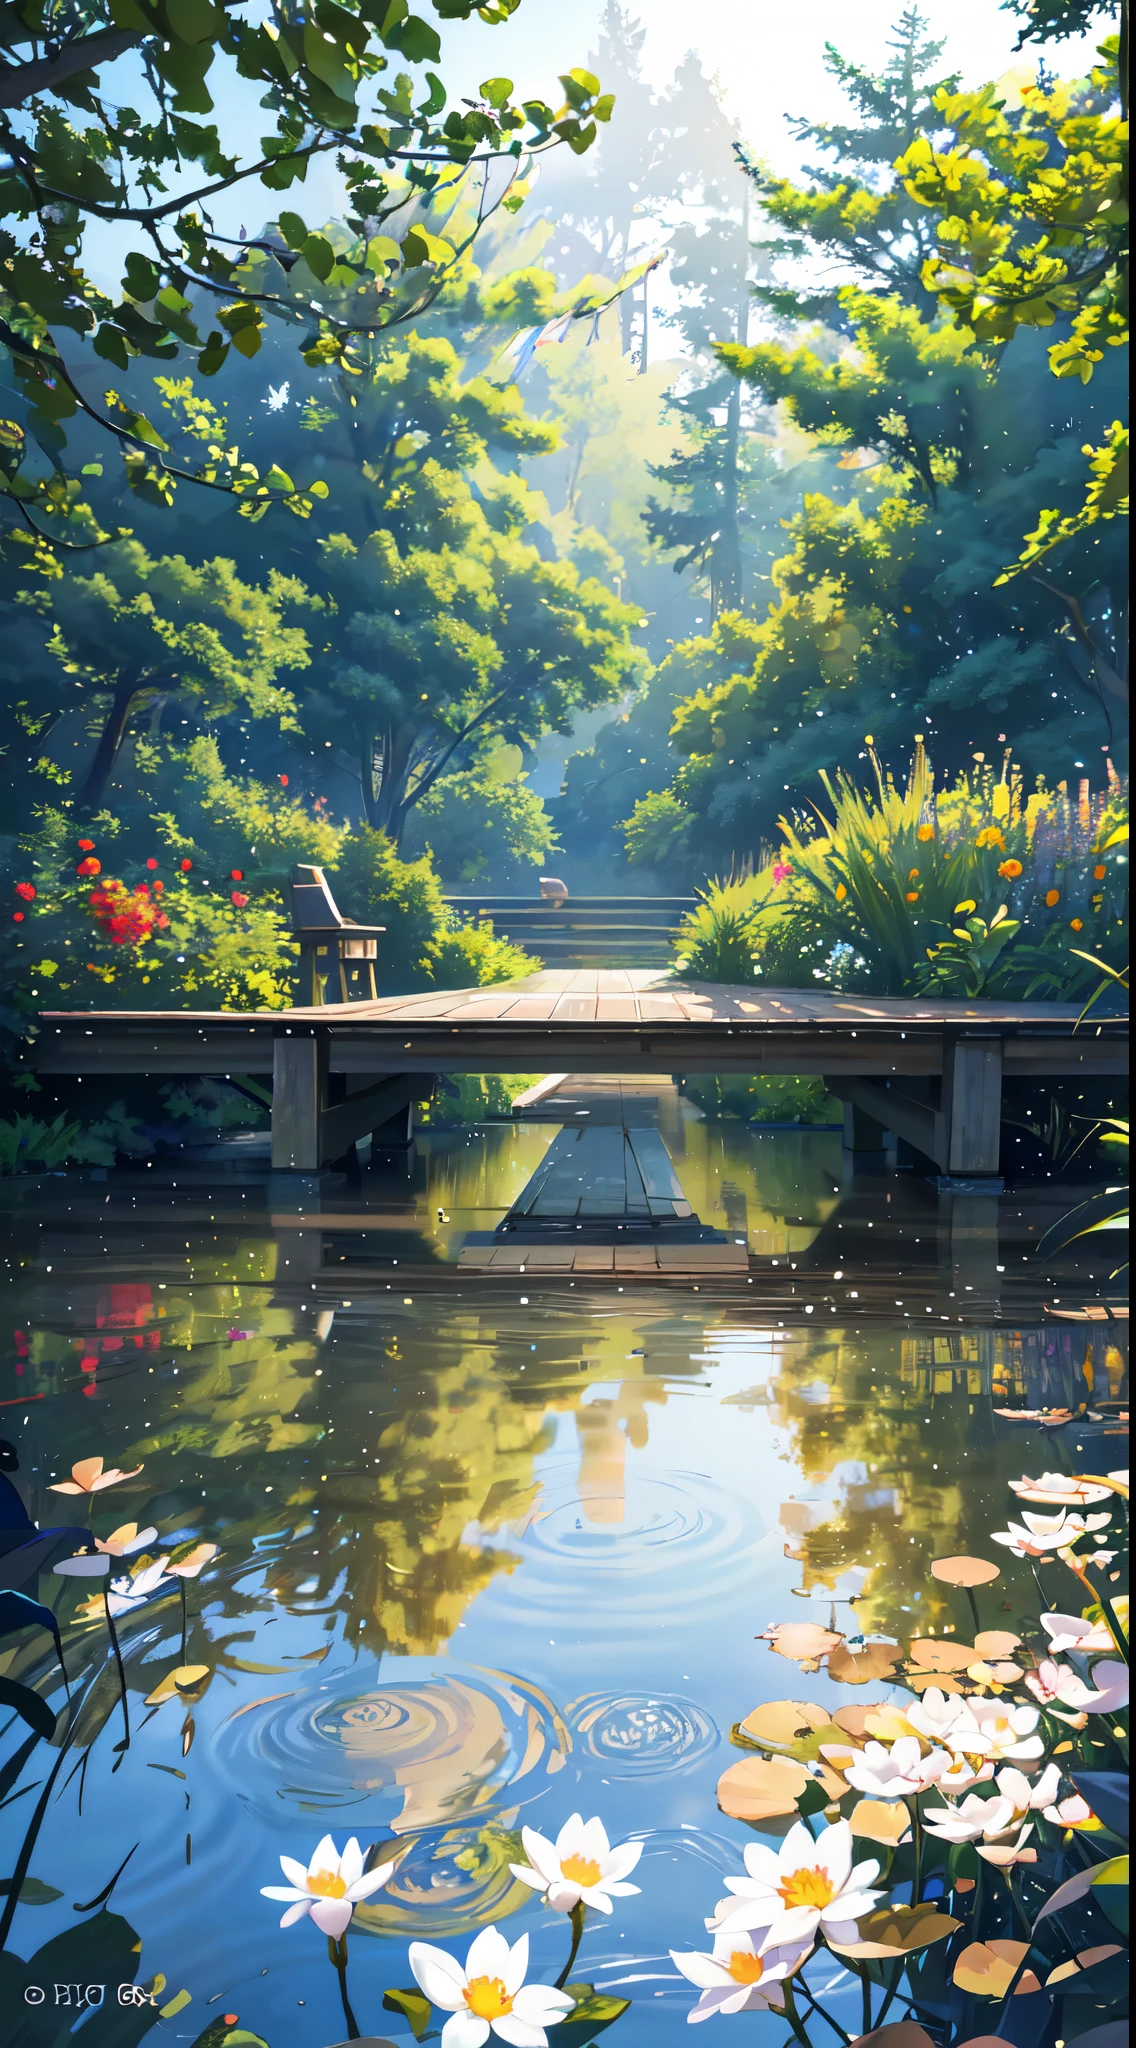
(719, 940)
(764, 1098)
(470, 1098)
(475, 824)
(467, 955)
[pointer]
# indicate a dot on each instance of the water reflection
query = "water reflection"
(484, 1560)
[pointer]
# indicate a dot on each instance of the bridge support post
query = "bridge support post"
(972, 1109)
(299, 1100)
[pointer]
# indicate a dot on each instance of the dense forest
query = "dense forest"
(658, 520)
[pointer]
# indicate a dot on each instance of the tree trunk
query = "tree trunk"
(726, 561)
(110, 740)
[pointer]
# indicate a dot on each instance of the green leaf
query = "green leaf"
(33, 1892)
(579, 87)
(413, 2007)
(593, 2011)
(1110, 1889)
(498, 91)
(319, 256)
(419, 43)
(293, 229)
(317, 490)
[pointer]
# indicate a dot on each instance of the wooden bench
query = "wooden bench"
(330, 944)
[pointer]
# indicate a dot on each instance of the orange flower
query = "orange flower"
(1099, 874)
(88, 1476)
(913, 895)
(925, 832)
(89, 867)
(86, 845)
(1076, 924)
(1052, 896)
(990, 836)
(913, 874)
(1011, 869)
(841, 892)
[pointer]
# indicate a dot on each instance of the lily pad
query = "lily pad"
(859, 1666)
(898, 1930)
(805, 1642)
(996, 1642)
(964, 1571)
(761, 1788)
(179, 1683)
(780, 1724)
(987, 1968)
(940, 1653)
(881, 1820)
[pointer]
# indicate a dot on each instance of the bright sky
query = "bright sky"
(769, 59)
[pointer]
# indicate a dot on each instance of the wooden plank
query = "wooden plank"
(299, 1096)
(593, 1258)
(972, 1106)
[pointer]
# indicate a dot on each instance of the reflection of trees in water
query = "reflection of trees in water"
(900, 1437)
(604, 1429)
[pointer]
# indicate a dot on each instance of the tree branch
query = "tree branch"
(19, 82)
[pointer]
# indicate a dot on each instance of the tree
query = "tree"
(165, 171)
(140, 633)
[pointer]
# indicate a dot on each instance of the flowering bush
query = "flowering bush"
(968, 888)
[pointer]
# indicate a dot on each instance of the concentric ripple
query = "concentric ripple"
(426, 1746)
(640, 1734)
(449, 1882)
(646, 1547)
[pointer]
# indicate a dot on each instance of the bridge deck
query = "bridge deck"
(931, 1070)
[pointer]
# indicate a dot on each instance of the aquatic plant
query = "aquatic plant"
(580, 1868)
(489, 1996)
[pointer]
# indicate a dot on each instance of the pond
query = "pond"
(489, 1556)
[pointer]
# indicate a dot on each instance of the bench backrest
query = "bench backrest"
(313, 906)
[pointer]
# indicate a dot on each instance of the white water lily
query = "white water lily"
(329, 1889)
(898, 1772)
(488, 1996)
(1044, 1535)
(1056, 1489)
(90, 1476)
(1073, 1632)
(937, 1715)
(1028, 1795)
(1005, 1853)
(125, 1541)
(735, 1978)
(1073, 1812)
(1007, 1731)
(974, 1820)
(128, 1593)
(1052, 1681)
(580, 1865)
(806, 1886)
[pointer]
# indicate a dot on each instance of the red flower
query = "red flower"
(151, 863)
(86, 845)
(236, 874)
(17, 917)
(284, 782)
(238, 899)
(89, 867)
(185, 866)
(26, 890)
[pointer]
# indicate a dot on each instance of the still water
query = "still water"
(486, 1559)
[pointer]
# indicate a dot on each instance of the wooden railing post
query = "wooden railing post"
(972, 1105)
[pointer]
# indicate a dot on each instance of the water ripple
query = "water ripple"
(639, 1734)
(428, 1743)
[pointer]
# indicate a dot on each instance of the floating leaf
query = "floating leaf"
(1084, 1960)
(876, 1717)
(870, 1661)
(803, 1641)
(33, 1891)
(881, 1820)
(940, 1653)
(922, 1681)
(182, 1680)
(964, 1571)
(761, 1788)
(778, 1724)
(412, 2006)
(996, 1642)
(898, 1930)
(987, 1969)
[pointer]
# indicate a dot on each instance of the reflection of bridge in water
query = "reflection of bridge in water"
(929, 1071)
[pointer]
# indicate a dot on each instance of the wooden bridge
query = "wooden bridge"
(929, 1071)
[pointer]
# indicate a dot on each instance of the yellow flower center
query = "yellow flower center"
(744, 1967)
(488, 1998)
(580, 1870)
(808, 1888)
(327, 1884)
